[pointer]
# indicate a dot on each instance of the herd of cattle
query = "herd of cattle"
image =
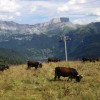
(71, 73)
(90, 59)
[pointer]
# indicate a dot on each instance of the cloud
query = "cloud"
(9, 9)
(86, 20)
(43, 10)
(8, 6)
(33, 9)
(3, 17)
(17, 13)
(63, 8)
(71, 2)
(71, 5)
(74, 9)
(97, 11)
(43, 4)
(80, 9)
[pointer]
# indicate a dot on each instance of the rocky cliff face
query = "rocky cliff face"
(59, 20)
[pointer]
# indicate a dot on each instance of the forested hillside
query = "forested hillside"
(10, 57)
(85, 41)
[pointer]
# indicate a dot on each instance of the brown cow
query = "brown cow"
(71, 73)
(53, 59)
(33, 64)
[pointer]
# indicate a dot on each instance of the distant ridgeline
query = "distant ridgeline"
(21, 42)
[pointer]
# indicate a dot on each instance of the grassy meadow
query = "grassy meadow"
(17, 83)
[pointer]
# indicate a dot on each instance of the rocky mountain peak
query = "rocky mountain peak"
(60, 20)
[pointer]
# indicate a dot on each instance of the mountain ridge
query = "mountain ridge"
(39, 28)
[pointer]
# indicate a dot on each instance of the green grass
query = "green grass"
(17, 83)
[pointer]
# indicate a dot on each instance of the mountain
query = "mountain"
(85, 41)
(24, 38)
(41, 40)
(10, 27)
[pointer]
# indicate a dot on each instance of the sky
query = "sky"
(39, 11)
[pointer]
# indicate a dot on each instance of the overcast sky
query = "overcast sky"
(36, 11)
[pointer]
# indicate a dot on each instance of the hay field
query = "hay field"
(17, 83)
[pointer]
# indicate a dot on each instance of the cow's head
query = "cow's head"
(79, 77)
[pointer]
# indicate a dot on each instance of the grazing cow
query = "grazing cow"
(3, 67)
(53, 59)
(71, 73)
(33, 64)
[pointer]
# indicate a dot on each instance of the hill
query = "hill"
(85, 41)
(17, 83)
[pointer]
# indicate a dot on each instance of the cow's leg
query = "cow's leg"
(58, 77)
(55, 77)
(28, 67)
(69, 77)
(36, 67)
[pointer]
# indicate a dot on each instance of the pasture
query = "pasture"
(17, 83)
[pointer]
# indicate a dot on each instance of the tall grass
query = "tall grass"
(17, 83)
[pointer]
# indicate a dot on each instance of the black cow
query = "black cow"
(71, 73)
(85, 59)
(33, 64)
(3, 67)
(90, 59)
(53, 59)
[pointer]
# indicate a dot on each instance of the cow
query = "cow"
(33, 64)
(71, 73)
(84, 59)
(3, 67)
(53, 59)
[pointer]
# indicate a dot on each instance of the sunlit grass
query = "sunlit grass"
(17, 83)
